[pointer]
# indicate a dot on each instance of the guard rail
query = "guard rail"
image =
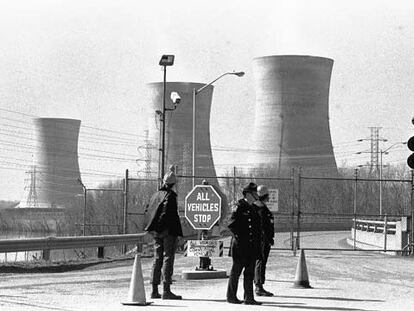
(49, 243)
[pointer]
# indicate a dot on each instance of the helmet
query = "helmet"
(262, 191)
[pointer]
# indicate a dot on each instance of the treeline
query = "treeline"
(338, 193)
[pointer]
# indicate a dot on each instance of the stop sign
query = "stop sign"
(202, 207)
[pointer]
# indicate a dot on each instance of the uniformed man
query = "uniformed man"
(244, 225)
(268, 232)
(165, 227)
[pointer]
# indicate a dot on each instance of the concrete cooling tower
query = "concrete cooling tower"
(179, 130)
(292, 113)
(55, 173)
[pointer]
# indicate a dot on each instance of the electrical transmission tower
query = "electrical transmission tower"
(374, 147)
(32, 199)
(148, 147)
(375, 150)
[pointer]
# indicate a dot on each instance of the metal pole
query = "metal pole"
(298, 218)
(385, 232)
(380, 184)
(412, 213)
(292, 210)
(160, 154)
(125, 220)
(84, 206)
(355, 206)
(163, 125)
(84, 209)
(234, 184)
(194, 137)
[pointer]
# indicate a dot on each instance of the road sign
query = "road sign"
(202, 207)
(204, 248)
(273, 203)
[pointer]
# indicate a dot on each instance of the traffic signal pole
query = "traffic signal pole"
(412, 214)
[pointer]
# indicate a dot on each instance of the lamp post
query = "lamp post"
(166, 60)
(195, 93)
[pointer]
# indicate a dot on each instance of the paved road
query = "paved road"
(342, 281)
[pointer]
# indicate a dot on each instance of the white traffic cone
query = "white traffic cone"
(301, 278)
(136, 294)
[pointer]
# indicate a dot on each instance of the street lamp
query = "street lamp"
(166, 60)
(195, 93)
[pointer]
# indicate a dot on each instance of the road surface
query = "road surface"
(341, 281)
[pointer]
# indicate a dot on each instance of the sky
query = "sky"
(91, 60)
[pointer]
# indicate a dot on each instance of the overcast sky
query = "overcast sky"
(91, 60)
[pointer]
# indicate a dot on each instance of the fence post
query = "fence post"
(292, 212)
(385, 232)
(412, 213)
(101, 252)
(355, 205)
(234, 184)
(46, 254)
(125, 220)
(299, 206)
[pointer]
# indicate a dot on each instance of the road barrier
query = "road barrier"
(49, 243)
(380, 234)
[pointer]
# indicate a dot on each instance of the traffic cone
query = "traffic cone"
(136, 294)
(301, 278)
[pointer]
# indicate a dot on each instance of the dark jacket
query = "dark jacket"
(244, 224)
(164, 213)
(267, 221)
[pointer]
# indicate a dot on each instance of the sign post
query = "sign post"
(202, 211)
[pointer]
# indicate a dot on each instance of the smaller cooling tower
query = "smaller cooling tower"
(292, 113)
(54, 177)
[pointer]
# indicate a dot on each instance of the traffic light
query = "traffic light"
(410, 160)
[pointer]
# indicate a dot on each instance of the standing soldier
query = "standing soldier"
(268, 232)
(244, 225)
(165, 227)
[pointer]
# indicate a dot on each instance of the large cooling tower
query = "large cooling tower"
(292, 113)
(179, 130)
(55, 172)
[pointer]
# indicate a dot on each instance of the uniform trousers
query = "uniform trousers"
(164, 254)
(260, 269)
(248, 264)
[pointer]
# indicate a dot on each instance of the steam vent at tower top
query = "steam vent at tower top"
(292, 113)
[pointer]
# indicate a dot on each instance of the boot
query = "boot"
(260, 291)
(155, 294)
(167, 294)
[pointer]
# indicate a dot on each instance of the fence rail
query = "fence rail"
(376, 226)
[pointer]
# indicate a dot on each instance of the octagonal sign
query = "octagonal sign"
(202, 207)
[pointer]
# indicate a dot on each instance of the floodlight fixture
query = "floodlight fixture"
(167, 60)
